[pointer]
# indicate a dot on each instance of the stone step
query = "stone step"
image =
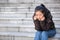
(26, 1)
(22, 28)
(55, 15)
(47, 5)
(9, 29)
(13, 15)
(22, 5)
(55, 4)
(20, 22)
(21, 15)
(14, 10)
(25, 10)
(29, 5)
(22, 34)
(32, 29)
(23, 19)
(52, 9)
(3, 1)
(25, 6)
(17, 34)
(17, 1)
(20, 38)
(27, 13)
(49, 1)
(17, 22)
(7, 5)
(27, 26)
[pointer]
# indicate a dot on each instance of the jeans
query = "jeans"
(44, 35)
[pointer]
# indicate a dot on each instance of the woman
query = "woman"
(43, 22)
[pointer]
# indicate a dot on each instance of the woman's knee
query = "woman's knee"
(51, 33)
(44, 33)
(38, 33)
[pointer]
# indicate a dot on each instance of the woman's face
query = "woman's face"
(39, 14)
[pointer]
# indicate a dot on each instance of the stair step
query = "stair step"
(25, 18)
(14, 25)
(22, 15)
(49, 1)
(22, 6)
(14, 12)
(21, 38)
(25, 7)
(22, 21)
(17, 20)
(3, 1)
(57, 25)
(25, 34)
(25, 10)
(17, 1)
(32, 29)
(55, 4)
(9, 29)
(17, 34)
(23, 28)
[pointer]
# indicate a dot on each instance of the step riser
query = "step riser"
(17, 29)
(21, 38)
(24, 16)
(11, 29)
(26, 10)
(17, 1)
(11, 23)
(26, 1)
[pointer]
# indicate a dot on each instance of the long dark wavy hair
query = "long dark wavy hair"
(44, 10)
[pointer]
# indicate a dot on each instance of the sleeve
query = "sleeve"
(36, 23)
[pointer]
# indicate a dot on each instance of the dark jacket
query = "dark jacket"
(43, 25)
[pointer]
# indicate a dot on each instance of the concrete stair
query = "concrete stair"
(16, 18)
(22, 36)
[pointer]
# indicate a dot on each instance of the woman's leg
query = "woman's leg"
(37, 35)
(44, 35)
(51, 33)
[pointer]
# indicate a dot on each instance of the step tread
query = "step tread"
(57, 26)
(17, 34)
(26, 34)
(25, 18)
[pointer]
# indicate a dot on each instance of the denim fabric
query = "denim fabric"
(44, 35)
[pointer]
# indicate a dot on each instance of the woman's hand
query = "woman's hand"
(43, 18)
(40, 18)
(35, 17)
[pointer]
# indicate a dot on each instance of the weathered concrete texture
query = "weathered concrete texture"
(20, 38)
(16, 16)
